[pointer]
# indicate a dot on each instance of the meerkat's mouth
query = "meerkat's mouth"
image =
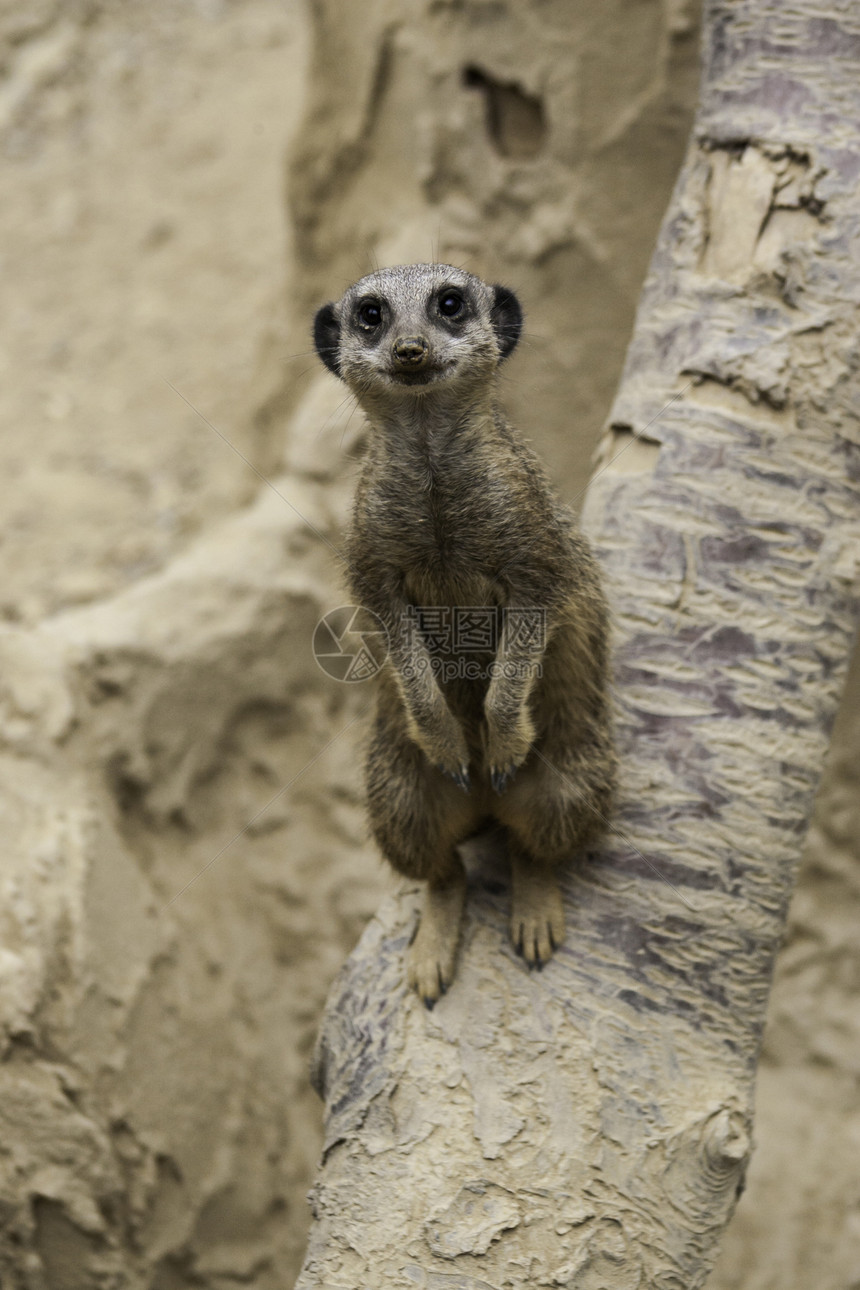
(424, 376)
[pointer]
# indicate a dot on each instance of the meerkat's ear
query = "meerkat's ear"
(507, 319)
(327, 338)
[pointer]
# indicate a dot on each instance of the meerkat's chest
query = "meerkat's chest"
(441, 522)
(449, 545)
(455, 503)
(438, 585)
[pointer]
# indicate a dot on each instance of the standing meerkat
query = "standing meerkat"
(493, 701)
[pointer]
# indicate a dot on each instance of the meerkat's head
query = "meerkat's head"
(417, 327)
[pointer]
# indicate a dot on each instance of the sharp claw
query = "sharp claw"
(429, 1004)
(460, 777)
(518, 943)
(499, 778)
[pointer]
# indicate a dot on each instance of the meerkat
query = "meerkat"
(454, 518)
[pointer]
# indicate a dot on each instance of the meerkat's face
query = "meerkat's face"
(417, 327)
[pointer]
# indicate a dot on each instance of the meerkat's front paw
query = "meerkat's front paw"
(444, 745)
(506, 746)
(499, 778)
(433, 953)
(460, 776)
(537, 914)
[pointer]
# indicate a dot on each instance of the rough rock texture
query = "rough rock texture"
(156, 1124)
(161, 970)
(141, 153)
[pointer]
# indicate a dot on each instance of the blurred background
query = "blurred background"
(186, 862)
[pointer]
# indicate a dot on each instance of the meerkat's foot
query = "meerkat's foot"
(433, 954)
(537, 913)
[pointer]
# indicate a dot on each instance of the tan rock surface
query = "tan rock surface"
(143, 244)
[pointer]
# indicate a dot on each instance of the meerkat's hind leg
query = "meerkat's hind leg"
(418, 818)
(433, 953)
(537, 908)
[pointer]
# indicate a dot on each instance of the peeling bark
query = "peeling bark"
(589, 1126)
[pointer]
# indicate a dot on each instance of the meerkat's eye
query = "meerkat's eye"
(370, 313)
(450, 303)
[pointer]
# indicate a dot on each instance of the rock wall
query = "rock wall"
(186, 862)
(143, 245)
(170, 916)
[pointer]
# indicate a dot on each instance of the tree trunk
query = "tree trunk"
(589, 1126)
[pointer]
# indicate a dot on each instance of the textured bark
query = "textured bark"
(590, 1125)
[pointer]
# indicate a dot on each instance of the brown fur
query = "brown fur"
(453, 509)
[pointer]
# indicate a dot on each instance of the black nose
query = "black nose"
(410, 351)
